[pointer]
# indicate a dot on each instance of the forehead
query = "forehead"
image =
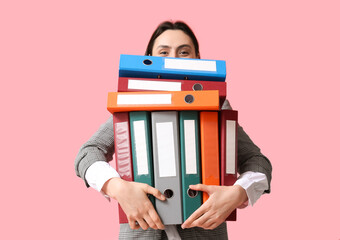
(173, 38)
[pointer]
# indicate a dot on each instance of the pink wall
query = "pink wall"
(58, 60)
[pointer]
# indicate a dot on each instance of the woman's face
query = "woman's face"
(174, 43)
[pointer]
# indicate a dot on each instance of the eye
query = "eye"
(184, 53)
(163, 53)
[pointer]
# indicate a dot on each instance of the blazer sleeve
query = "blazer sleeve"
(100, 147)
(249, 156)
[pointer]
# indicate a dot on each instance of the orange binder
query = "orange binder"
(209, 150)
(163, 100)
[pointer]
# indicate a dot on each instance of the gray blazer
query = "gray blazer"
(100, 147)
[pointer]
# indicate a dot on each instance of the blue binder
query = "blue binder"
(172, 68)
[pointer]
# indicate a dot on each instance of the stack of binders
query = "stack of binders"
(169, 130)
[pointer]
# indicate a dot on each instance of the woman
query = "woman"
(173, 40)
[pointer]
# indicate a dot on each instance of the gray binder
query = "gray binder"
(166, 157)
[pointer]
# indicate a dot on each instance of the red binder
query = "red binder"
(126, 84)
(228, 134)
(121, 131)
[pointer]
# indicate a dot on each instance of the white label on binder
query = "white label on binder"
(190, 147)
(143, 99)
(189, 64)
(230, 147)
(166, 149)
(141, 149)
(139, 84)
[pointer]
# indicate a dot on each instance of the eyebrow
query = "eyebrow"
(163, 46)
(184, 45)
(181, 46)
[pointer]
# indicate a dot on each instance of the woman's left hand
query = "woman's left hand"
(220, 204)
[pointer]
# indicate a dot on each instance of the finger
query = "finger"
(155, 192)
(198, 213)
(211, 225)
(156, 219)
(134, 225)
(203, 225)
(215, 225)
(200, 187)
(150, 222)
(142, 223)
(203, 221)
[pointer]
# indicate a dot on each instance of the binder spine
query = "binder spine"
(126, 84)
(209, 149)
(190, 161)
(171, 68)
(166, 158)
(140, 126)
(123, 152)
(228, 129)
(153, 101)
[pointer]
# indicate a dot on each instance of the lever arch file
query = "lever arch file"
(126, 84)
(121, 131)
(171, 68)
(140, 126)
(152, 101)
(209, 149)
(190, 161)
(228, 134)
(166, 156)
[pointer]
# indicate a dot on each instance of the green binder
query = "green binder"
(190, 161)
(141, 147)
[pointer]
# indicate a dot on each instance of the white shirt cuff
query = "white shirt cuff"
(98, 173)
(254, 183)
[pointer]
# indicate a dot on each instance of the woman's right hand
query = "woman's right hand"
(132, 197)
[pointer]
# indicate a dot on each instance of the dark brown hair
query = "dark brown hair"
(167, 25)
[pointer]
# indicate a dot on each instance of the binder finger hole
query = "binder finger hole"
(192, 193)
(147, 62)
(197, 87)
(168, 193)
(189, 98)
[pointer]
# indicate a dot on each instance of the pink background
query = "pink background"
(59, 59)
